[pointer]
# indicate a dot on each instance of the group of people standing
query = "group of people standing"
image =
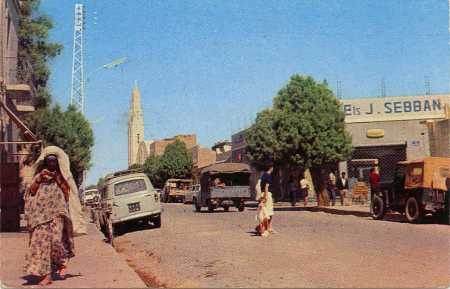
(335, 185)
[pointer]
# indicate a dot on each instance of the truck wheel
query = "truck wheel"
(378, 208)
(226, 208)
(413, 211)
(241, 207)
(110, 230)
(197, 206)
(210, 208)
(447, 208)
(157, 221)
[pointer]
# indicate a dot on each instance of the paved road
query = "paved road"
(310, 249)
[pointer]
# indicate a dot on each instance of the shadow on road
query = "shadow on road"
(31, 280)
(325, 210)
(133, 227)
(389, 217)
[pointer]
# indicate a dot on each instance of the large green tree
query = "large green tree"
(176, 162)
(35, 49)
(304, 128)
(67, 129)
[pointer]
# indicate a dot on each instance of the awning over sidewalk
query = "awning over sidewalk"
(27, 134)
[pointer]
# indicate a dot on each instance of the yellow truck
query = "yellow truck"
(419, 187)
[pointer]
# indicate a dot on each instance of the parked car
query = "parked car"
(419, 187)
(175, 190)
(191, 193)
(234, 188)
(128, 197)
(91, 197)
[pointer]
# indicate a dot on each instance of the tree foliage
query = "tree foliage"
(68, 130)
(305, 127)
(152, 169)
(35, 48)
(100, 182)
(176, 162)
(90, 187)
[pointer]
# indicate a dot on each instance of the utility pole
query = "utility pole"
(77, 88)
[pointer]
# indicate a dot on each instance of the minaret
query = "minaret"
(135, 125)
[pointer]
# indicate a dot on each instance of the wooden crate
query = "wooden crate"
(360, 192)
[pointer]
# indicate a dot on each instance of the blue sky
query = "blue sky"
(207, 67)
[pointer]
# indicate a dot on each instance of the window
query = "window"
(444, 172)
(129, 187)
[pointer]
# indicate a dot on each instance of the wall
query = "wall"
(9, 25)
(203, 157)
(440, 138)
(157, 147)
(412, 132)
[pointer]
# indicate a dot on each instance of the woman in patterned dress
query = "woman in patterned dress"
(49, 222)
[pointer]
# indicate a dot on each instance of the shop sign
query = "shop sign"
(395, 108)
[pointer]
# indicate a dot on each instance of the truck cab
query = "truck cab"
(419, 187)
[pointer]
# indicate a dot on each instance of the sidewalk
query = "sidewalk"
(96, 264)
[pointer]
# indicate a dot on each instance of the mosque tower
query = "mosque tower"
(135, 125)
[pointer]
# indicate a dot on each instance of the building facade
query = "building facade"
(17, 95)
(391, 129)
(223, 151)
(157, 147)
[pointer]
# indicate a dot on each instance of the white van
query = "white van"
(128, 196)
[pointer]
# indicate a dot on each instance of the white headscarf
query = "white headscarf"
(75, 212)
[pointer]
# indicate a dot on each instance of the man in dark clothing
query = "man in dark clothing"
(331, 187)
(293, 190)
(342, 185)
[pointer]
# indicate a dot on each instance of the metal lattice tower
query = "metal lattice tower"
(339, 89)
(427, 85)
(383, 88)
(77, 90)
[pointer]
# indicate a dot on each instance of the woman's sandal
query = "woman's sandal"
(46, 280)
(61, 273)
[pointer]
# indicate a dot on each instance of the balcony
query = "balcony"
(20, 88)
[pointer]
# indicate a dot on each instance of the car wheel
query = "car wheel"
(157, 221)
(110, 232)
(197, 206)
(241, 207)
(378, 209)
(413, 211)
(226, 208)
(210, 208)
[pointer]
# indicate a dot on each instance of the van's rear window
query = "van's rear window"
(129, 187)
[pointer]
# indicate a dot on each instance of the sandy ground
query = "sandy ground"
(310, 249)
